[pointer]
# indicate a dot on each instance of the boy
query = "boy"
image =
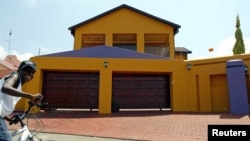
(11, 92)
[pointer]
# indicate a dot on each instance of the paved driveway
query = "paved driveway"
(153, 125)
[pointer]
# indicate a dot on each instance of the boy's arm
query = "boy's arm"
(10, 90)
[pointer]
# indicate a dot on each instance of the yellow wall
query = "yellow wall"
(120, 22)
(115, 65)
(181, 56)
(208, 87)
(203, 88)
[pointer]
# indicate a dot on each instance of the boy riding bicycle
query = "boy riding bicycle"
(11, 92)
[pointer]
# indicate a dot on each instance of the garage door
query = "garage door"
(71, 89)
(141, 90)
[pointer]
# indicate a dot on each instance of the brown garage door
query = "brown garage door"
(71, 89)
(141, 90)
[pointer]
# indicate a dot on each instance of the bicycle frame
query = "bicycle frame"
(25, 134)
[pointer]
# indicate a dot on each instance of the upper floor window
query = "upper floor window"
(127, 41)
(89, 40)
(157, 44)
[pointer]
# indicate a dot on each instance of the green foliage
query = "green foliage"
(239, 46)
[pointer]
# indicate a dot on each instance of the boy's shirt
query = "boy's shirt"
(8, 102)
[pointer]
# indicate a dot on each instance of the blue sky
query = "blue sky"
(43, 24)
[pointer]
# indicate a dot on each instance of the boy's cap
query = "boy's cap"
(27, 63)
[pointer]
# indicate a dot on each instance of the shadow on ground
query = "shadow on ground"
(86, 113)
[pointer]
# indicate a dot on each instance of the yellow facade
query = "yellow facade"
(201, 88)
(125, 21)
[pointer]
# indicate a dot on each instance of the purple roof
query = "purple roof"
(105, 52)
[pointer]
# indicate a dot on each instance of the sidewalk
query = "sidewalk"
(65, 137)
(130, 125)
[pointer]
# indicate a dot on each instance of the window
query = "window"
(89, 40)
(157, 44)
(127, 41)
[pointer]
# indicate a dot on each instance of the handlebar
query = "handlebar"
(19, 117)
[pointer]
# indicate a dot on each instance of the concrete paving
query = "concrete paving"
(65, 137)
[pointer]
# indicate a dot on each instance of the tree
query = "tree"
(239, 46)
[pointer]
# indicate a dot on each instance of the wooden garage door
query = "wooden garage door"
(141, 90)
(71, 89)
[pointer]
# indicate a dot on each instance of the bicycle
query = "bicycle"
(24, 132)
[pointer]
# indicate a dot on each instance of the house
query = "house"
(9, 64)
(126, 58)
(158, 41)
